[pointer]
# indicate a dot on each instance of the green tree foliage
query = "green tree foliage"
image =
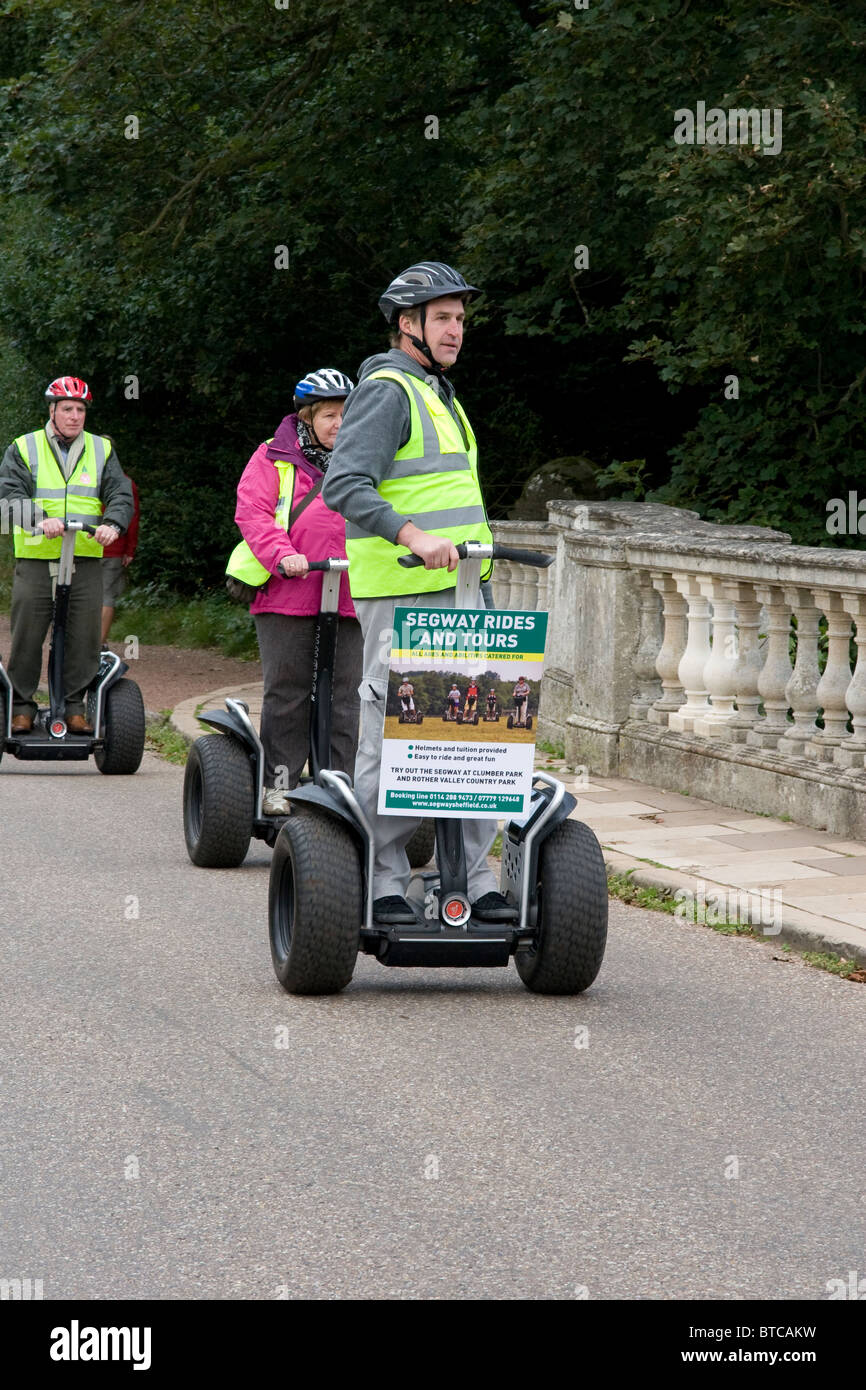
(305, 128)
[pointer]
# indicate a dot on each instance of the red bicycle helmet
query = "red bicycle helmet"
(69, 388)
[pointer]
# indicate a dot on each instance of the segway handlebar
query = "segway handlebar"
(333, 564)
(537, 558)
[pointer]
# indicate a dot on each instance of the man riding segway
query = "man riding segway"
(406, 696)
(406, 450)
(58, 474)
(470, 708)
(520, 694)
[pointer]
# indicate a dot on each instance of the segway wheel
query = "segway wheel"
(510, 721)
(459, 716)
(529, 721)
(123, 743)
(422, 844)
(445, 719)
(218, 802)
(572, 913)
(475, 719)
(401, 718)
(419, 719)
(315, 905)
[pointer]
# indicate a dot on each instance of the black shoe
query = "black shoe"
(494, 908)
(394, 912)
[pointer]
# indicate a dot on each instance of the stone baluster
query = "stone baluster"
(749, 658)
(694, 658)
(644, 664)
(801, 692)
(833, 685)
(719, 670)
(776, 672)
(502, 583)
(851, 752)
(668, 659)
(530, 588)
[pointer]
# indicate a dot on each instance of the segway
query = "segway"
(410, 716)
(452, 714)
(223, 785)
(320, 903)
(513, 720)
(114, 705)
(491, 713)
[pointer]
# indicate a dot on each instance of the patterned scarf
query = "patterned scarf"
(313, 451)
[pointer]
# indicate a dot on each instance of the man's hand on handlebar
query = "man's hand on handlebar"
(105, 534)
(294, 566)
(52, 526)
(437, 552)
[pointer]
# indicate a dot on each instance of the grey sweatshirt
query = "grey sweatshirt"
(16, 481)
(376, 423)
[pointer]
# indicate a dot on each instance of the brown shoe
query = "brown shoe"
(21, 724)
(77, 724)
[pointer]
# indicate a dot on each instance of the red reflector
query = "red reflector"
(454, 909)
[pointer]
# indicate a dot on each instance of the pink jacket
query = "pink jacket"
(319, 533)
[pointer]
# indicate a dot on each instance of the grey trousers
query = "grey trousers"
(286, 646)
(32, 607)
(392, 833)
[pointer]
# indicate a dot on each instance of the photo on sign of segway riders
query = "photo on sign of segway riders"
(497, 705)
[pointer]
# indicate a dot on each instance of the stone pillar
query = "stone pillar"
(833, 685)
(719, 675)
(671, 650)
(694, 658)
(777, 669)
(648, 684)
(851, 753)
(749, 660)
(801, 690)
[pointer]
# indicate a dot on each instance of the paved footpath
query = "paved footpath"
(174, 1125)
(804, 886)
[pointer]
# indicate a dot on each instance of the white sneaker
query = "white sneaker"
(274, 803)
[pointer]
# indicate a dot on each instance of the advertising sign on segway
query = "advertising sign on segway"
(474, 766)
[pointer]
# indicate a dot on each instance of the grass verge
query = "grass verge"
(167, 741)
(623, 887)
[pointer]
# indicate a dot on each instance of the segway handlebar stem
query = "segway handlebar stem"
(474, 550)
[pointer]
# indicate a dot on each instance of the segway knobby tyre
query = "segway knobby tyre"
(529, 721)
(419, 719)
(510, 722)
(572, 913)
(422, 844)
(314, 905)
(218, 802)
(123, 745)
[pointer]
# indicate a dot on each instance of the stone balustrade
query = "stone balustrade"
(669, 656)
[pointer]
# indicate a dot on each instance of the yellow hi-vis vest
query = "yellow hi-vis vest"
(242, 562)
(433, 482)
(73, 499)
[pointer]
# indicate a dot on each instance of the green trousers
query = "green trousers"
(32, 607)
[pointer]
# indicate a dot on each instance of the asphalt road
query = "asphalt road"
(174, 1125)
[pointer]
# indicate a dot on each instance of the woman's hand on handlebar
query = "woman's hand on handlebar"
(294, 566)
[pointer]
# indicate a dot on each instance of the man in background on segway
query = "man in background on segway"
(407, 694)
(56, 474)
(471, 699)
(404, 475)
(520, 695)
